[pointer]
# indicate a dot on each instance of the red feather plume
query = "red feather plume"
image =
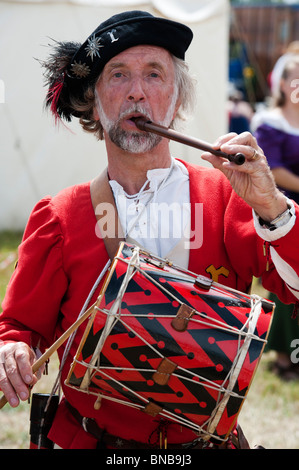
(53, 97)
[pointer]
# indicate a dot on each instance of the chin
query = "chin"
(135, 143)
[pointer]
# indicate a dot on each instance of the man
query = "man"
(133, 66)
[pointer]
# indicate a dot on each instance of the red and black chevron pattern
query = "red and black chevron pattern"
(204, 353)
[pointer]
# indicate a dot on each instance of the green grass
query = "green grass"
(15, 422)
(269, 416)
(9, 242)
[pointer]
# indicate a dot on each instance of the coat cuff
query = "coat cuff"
(271, 235)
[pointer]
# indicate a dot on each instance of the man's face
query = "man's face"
(137, 82)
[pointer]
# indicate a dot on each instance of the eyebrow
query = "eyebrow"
(115, 65)
(153, 64)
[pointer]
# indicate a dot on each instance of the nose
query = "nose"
(136, 92)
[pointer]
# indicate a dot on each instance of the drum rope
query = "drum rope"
(205, 382)
(219, 323)
(208, 383)
(211, 422)
(112, 316)
(225, 389)
(164, 413)
(237, 364)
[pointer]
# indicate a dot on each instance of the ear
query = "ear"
(95, 113)
(177, 106)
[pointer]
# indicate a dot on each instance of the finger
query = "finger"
(252, 154)
(16, 372)
(245, 138)
(223, 139)
(15, 378)
(235, 144)
(255, 156)
(217, 162)
(25, 357)
(7, 388)
(244, 143)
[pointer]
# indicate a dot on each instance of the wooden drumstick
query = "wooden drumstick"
(149, 126)
(53, 348)
(42, 359)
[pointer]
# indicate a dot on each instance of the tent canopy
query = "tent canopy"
(39, 159)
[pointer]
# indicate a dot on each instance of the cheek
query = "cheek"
(162, 100)
(104, 102)
(171, 101)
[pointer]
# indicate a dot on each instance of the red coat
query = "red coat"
(61, 257)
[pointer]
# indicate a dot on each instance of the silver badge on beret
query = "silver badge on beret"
(93, 47)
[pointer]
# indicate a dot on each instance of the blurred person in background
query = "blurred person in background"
(277, 132)
(275, 76)
(239, 111)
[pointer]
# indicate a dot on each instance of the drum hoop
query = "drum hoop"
(238, 362)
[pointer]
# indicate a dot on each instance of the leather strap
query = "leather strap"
(181, 320)
(89, 425)
(108, 223)
(164, 371)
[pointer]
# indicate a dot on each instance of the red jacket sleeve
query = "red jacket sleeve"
(286, 249)
(32, 300)
(251, 255)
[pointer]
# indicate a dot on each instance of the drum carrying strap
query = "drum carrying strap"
(108, 223)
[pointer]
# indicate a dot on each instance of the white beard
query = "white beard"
(133, 142)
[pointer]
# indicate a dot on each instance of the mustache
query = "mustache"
(135, 109)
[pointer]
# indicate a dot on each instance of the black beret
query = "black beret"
(125, 30)
(73, 67)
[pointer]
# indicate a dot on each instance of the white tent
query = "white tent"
(38, 158)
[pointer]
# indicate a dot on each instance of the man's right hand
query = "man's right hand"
(16, 360)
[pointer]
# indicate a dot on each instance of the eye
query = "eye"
(155, 74)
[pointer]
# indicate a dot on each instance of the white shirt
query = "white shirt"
(158, 217)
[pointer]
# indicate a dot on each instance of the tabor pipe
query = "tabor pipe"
(149, 126)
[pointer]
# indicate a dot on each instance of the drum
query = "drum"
(166, 341)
